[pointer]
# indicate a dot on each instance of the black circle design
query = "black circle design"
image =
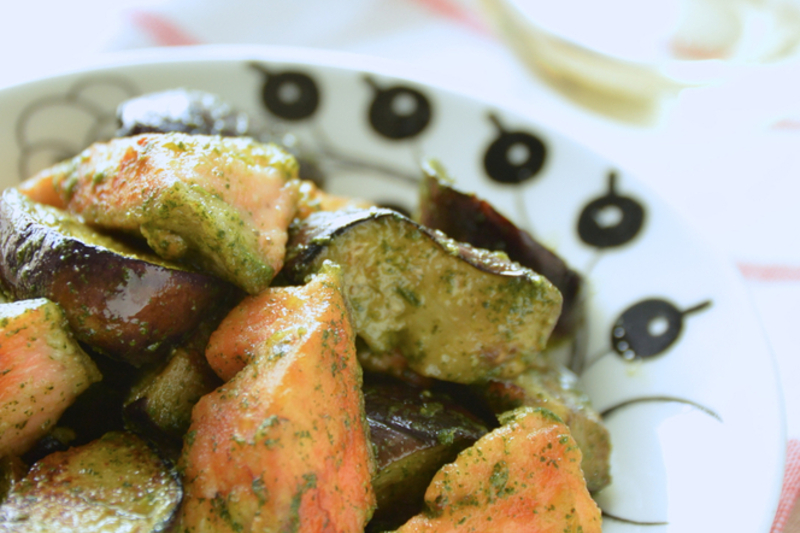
(632, 335)
(290, 95)
(514, 157)
(625, 221)
(399, 112)
(648, 328)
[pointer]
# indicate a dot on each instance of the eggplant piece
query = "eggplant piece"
(220, 204)
(12, 470)
(182, 110)
(557, 389)
(123, 302)
(414, 432)
(159, 405)
(456, 313)
(467, 218)
(113, 484)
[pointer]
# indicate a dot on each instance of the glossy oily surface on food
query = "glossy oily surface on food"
(414, 290)
(284, 445)
(113, 484)
(122, 301)
(223, 203)
(523, 476)
(43, 371)
(677, 416)
(556, 389)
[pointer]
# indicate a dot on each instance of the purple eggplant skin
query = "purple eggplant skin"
(467, 218)
(414, 432)
(187, 111)
(115, 483)
(124, 303)
(158, 406)
(413, 290)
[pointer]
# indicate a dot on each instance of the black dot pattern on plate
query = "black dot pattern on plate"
(514, 156)
(648, 328)
(290, 95)
(398, 112)
(610, 220)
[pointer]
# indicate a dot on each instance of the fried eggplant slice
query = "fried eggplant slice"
(467, 218)
(42, 371)
(123, 302)
(557, 389)
(115, 483)
(523, 476)
(455, 312)
(159, 404)
(284, 445)
(414, 432)
(220, 203)
(183, 110)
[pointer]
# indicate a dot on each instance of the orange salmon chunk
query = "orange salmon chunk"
(220, 203)
(284, 445)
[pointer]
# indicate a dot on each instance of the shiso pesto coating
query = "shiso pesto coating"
(455, 312)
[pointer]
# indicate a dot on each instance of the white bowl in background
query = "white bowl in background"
(691, 396)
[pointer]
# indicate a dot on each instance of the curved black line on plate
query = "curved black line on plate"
(513, 157)
(632, 335)
(118, 81)
(660, 399)
(289, 94)
(611, 220)
(606, 514)
(398, 112)
(51, 101)
(332, 155)
(62, 148)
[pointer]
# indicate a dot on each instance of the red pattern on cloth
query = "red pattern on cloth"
(752, 271)
(161, 30)
(457, 13)
(791, 486)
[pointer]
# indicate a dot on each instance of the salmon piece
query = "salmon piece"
(42, 371)
(284, 445)
(41, 188)
(261, 323)
(220, 203)
(523, 476)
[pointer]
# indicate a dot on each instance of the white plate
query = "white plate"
(696, 417)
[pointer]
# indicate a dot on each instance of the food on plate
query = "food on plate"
(467, 218)
(415, 432)
(413, 289)
(42, 371)
(160, 401)
(221, 204)
(150, 244)
(523, 476)
(551, 386)
(284, 445)
(116, 483)
(122, 301)
(181, 110)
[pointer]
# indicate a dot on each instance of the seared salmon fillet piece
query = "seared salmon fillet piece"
(222, 204)
(42, 371)
(284, 445)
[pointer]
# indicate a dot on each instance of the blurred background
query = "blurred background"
(700, 99)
